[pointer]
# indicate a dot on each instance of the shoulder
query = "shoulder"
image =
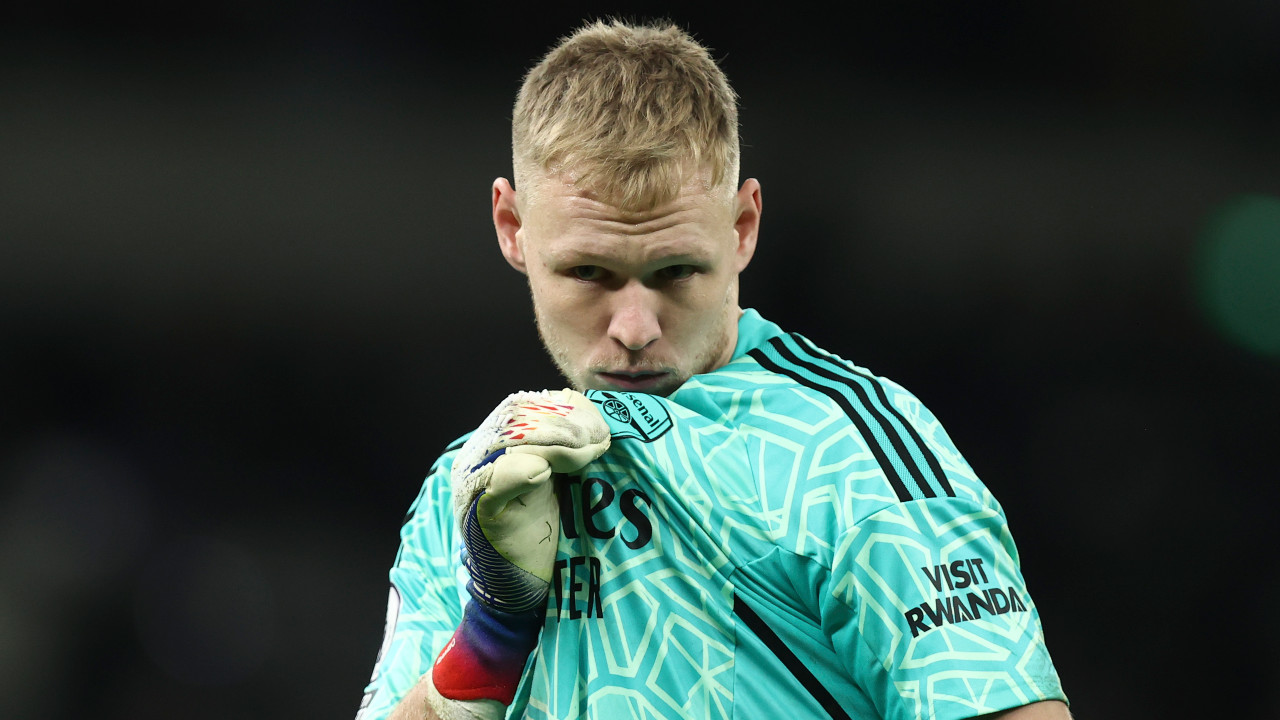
(435, 496)
(450, 451)
(792, 375)
(896, 428)
(443, 465)
(823, 426)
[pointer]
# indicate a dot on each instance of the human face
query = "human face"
(634, 301)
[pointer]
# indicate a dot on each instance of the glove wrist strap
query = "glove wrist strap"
(500, 625)
(486, 656)
(495, 580)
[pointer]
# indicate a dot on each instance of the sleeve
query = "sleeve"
(426, 599)
(928, 601)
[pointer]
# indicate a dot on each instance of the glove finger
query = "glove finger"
(525, 531)
(563, 418)
(564, 459)
(512, 475)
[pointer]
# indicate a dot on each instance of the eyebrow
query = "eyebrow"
(583, 256)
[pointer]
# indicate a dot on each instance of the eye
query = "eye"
(588, 273)
(677, 272)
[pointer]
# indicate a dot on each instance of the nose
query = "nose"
(634, 321)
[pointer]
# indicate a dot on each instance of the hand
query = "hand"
(504, 497)
(505, 504)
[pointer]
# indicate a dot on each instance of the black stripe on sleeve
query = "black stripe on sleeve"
(839, 372)
(895, 481)
(864, 399)
(930, 458)
(789, 659)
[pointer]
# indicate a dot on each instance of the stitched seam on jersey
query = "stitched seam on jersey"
(919, 450)
(893, 467)
(793, 664)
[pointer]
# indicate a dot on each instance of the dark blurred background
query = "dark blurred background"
(249, 288)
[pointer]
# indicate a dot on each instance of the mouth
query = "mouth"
(632, 381)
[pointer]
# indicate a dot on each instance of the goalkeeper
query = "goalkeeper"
(722, 520)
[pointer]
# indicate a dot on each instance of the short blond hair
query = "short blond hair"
(627, 113)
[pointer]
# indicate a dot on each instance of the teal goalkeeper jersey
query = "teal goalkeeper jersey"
(787, 535)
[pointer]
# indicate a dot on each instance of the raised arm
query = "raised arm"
(507, 514)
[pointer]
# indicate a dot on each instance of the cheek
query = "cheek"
(548, 296)
(563, 313)
(708, 304)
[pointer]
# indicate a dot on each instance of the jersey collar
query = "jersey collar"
(753, 332)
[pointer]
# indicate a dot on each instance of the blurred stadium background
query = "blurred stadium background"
(249, 288)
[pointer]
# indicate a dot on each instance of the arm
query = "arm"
(507, 516)
(414, 706)
(1046, 710)
(929, 601)
(426, 607)
(426, 602)
(943, 603)
(424, 703)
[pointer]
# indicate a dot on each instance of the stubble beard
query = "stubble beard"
(710, 357)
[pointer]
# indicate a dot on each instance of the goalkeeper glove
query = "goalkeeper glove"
(506, 509)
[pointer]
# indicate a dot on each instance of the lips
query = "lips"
(632, 381)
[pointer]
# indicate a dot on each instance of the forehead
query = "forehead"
(564, 221)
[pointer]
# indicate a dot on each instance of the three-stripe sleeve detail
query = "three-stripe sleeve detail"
(910, 465)
(896, 479)
(931, 469)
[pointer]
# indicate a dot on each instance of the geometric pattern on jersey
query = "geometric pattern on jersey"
(910, 467)
(830, 506)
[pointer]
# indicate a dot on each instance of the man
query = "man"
(748, 525)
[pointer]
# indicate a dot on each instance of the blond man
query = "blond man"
(720, 519)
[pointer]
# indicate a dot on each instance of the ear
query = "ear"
(746, 224)
(506, 221)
